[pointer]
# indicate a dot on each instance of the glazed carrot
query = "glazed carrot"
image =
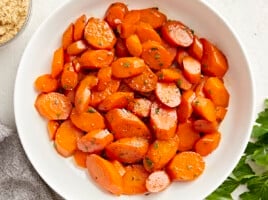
(146, 32)
(115, 14)
(157, 181)
(68, 58)
(80, 158)
(220, 113)
(208, 143)
(180, 55)
(171, 49)
(191, 69)
(204, 126)
(57, 62)
(67, 37)
(119, 167)
(127, 150)
(77, 47)
(70, 94)
(213, 61)
(127, 67)
(145, 82)
(88, 120)
(134, 180)
(133, 45)
(196, 49)
(105, 174)
(76, 65)
(66, 138)
(69, 78)
(185, 108)
(186, 166)
(129, 24)
(160, 152)
(121, 48)
(215, 90)
(52, 127)
(168, 94)
(93, 59)
(163, 120)
(187, 136)
(205, 108)
(105, 77)
(176, 33)
(124, 87)
(79, 27)
(199, 88)
(53, 106)
(125, 124)
(95, 140)
(155, 55)
(99, 34)
(153, 17)
(83, 93)
(116, 100)
(140, 107)
(45, 83)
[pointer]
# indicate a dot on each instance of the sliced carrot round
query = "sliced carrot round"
(157, 181)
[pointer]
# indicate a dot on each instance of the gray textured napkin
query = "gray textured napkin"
(18, 179)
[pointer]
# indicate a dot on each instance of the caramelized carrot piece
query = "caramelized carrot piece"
(121, 48)
(116, 100)
(93, 59)
(99, 34)
(105, 77)
(168, 94)
(105, 174)
(155, 55)
(134, 180)
(160, 152)
(163, 120)
(70, 94)
(45, 83)
(95, 140)
(52, 127)
(133, 45)
(199, 88)
(115, 14)
(213, 61)
(185, 108)
(180, 55)
(88, 120)
(204, 126)
(220, 113)
(129, 24)
(127, 67)
(125, 124)
(53, 106)
(153, 17)
(191, 69)
(196, 49)
(119, 167)
(69, 77)
(176, 33)
(171, 49)
(77, 47)
(57, 62)
(145, 82)
(187, 136)
(66, 138)
(215, 90)
(146, 32)
(79, 27)
(67, 37)
(128, 150)
(157, 181)
(140, 107)
(208, 143)
(186, 166)
(205, 108)
(80, 158)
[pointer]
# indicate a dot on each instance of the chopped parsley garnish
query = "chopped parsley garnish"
(91, 110)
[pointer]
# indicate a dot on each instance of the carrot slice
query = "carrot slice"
(77, 47)
(163, 121)
(67, 37)
(88, 120)
(119, 166)
(133, 45)
(153, 17)
(199, 88)
(171, 49)
(205, 108)
(115, 14)
(191, 69)
(95, 140)
(176, 33)
(204, 126)
(196, 49)
(140, 107)
(52, 127)
(127, 67)
(105, 77)
(125, 124)
(69, 77)
(186, 166)
(121, 48)
(105, 174)
(146, 32)
(45, 83)
(157, 181)
(134, 180)
(220, 113)
(53, 106)
(79, 27)
(66, 138)
(208, 143)
(168, 93)
(57, 62)
(128, 150)
(80, 158)
(70, 94)
(160, 152)
(185, 108)
(129, 24)
(180, 55)
(99, 34)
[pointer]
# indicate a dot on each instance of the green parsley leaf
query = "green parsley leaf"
(243, 170)
(91, 110)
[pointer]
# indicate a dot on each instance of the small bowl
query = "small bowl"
(22, 27)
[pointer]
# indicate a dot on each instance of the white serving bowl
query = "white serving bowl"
(73, 183)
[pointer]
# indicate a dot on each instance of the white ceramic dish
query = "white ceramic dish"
(72, 182)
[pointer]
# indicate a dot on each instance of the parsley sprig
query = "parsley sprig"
(255, 157)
